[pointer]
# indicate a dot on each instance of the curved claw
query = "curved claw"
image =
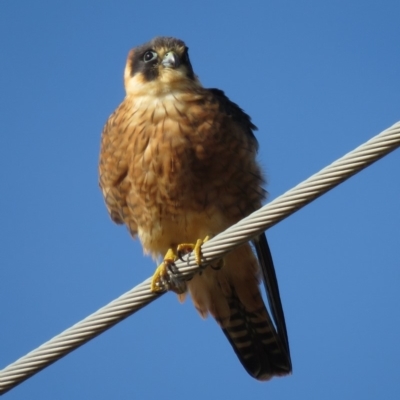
(185, 248)
(172, 268)
(180, 253)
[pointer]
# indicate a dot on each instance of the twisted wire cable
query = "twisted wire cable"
(215, 248)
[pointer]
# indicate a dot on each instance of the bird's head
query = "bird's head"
(159, 66)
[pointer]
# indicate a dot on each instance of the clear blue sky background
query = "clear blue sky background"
(318, 78)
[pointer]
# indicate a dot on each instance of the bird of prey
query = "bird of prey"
(178, 164)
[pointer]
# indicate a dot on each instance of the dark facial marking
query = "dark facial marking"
(146, 61)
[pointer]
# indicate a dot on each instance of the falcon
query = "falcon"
(178, 165)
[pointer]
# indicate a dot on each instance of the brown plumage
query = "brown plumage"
(178, 163)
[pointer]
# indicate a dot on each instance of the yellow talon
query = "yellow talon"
(196, 248)
(170, 257)
(160, 279)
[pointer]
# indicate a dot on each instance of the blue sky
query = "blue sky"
(318, 79)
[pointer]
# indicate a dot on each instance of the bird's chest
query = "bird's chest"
(174, 145)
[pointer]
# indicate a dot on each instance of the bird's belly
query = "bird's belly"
(164, 232)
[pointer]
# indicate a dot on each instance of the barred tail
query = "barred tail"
(256, 343)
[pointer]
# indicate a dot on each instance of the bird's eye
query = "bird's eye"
(149, 56)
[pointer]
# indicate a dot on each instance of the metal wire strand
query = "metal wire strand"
(140, 296)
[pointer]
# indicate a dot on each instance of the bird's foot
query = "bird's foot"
(185, 248)
(163, 278)
(160, 280)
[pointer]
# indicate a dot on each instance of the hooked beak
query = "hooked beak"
(171, 60)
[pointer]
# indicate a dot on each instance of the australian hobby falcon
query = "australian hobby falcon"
(178, 163)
